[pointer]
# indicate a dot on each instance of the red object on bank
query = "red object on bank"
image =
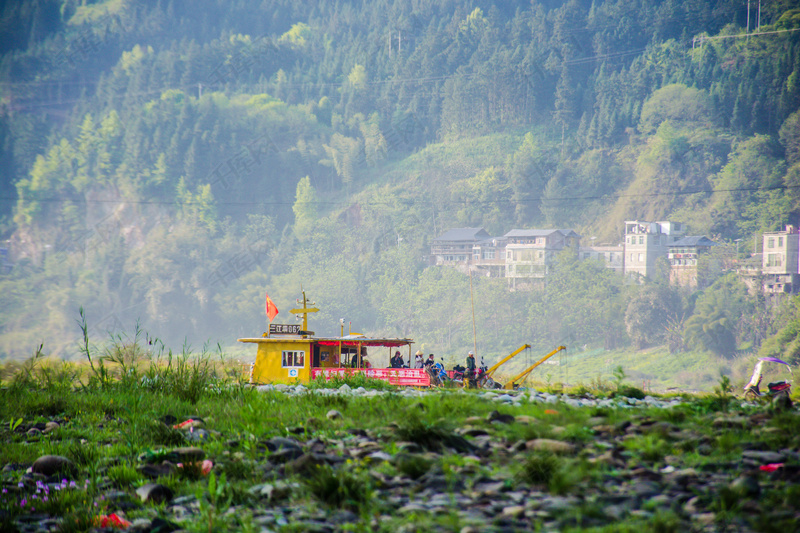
(272, 309)
(112, 520)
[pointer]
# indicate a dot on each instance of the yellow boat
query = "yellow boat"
(289, 353)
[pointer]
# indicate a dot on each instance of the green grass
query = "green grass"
(110, 425)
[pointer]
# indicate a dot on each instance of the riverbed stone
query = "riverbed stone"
(52, 465)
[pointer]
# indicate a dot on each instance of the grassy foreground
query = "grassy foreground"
(449, 460)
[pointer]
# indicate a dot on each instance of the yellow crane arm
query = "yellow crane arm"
(491, 371)
(524, 373)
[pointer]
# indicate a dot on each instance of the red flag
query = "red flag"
(272, 309)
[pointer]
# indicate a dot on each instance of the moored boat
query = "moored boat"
(290, 353)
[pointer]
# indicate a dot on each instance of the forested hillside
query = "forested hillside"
(170, 161)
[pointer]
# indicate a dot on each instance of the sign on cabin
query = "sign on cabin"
(284, 329)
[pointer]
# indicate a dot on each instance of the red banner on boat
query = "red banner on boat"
(272, 309)
(405, 377)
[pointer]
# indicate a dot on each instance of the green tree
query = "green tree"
(649, 314)
(305, 208)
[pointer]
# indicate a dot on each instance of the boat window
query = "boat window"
(293, 358)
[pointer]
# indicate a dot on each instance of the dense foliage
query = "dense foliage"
(173, 160)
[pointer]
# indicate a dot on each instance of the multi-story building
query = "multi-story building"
(779, 261)
(529, 253)
(683, 255)
(647, 242)
(455, 245)
(610, 254)
(489, 257)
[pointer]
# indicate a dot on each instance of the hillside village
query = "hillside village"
(649, 250)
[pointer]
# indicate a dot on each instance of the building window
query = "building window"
(611, 257)
(476, 253)
(641, 239)
(641, 258)
(771, 242)
(633, 256)
(293, 359)
(488, 254)
(774, 260)
(780, 242)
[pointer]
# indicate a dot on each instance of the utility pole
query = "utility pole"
(748, 16)
(758, 20)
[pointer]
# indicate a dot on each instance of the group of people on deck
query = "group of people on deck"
(419, 361)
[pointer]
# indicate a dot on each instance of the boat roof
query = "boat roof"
(348, 340)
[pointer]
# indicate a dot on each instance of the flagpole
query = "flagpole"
(474, 334)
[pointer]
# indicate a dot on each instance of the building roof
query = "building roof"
(492, 241)
(694, 240)
(530, 232)
(463, 234)
(540, 233)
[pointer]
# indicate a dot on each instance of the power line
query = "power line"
(420, 201)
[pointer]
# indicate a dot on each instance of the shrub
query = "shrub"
(538, 469)
(339, 488)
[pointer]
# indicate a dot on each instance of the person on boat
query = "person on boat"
(430, 361)
(471, 366)
(397, 360)
(418, 359)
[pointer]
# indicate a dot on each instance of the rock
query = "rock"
(379, 457)
(189, 454)
(525, 419)
(782, 402)
(154, 493)
(281, 443)
(51, 465)
(33, 432)
(555, 446)
(474, 432)
(513, 511)
(645, 489)
(279, 490)
(746, 486)
(503, 418)
(305, 464)
(760, 457)
(730, 422)
(412, 508)
(156, 471)
(50, 427)
(285, 455)
(196, 435)
(333, 414)
(682, 477)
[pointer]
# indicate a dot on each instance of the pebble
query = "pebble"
(154, 493)
(51, 465)
(549, 445)
(333, 414)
